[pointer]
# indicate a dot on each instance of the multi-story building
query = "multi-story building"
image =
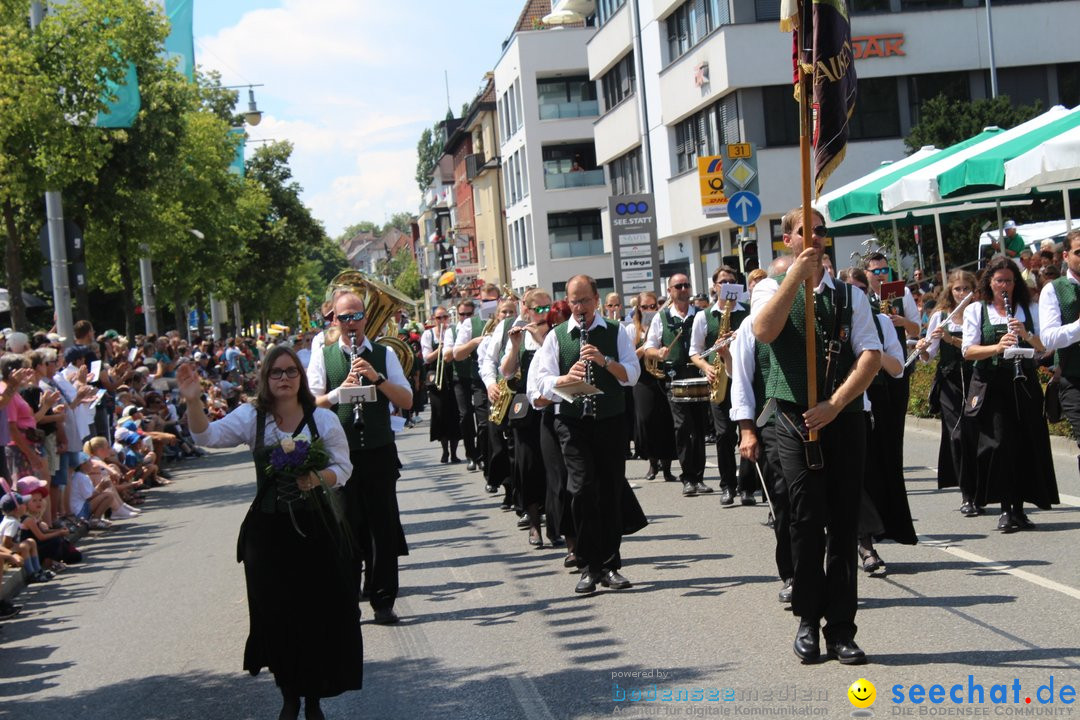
(553, 188)
(716, 72)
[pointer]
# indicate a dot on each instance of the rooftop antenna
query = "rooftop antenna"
(446, 78)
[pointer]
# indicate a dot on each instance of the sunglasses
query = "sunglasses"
(292, 373)
(880, 271)
(681, 286)
(819, 230)
(465, 314)
(541, 308)
(441, 317)
(647, 307)
(351, 317)
(613, 305)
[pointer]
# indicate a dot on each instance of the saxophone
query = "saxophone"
(501, 406)
(718, 388)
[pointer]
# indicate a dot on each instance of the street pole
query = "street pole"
(215, 317)
(146, 276)
(643, 107)
(236, 318)
(54, 214)
(990, 39)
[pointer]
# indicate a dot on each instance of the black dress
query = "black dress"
(654, 428)
(304, 619)
(445, 423)
(956, 451)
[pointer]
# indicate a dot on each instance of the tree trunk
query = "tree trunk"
(13, 265)
(179, 314)
(199, 314)
(129, 291)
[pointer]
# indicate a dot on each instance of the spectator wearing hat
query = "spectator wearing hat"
(1014, 244)
(52, 545)
(13, 506)
(90, 500)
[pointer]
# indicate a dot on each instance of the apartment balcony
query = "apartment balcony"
(574, 179)
(576, 109)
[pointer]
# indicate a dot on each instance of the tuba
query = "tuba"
(381, 303)
(718, 389)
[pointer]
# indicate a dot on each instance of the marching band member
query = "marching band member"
(668, 342)
(465, 381)
(654, 431)
(1005, 397)
(444, 428)
(500, 461)
(1059, 316)
(469, 335)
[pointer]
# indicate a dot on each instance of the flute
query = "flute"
(915, 353)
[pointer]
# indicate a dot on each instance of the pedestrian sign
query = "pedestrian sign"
(744, 208)
(711, 179)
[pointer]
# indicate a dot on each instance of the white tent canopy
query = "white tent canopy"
(1055, 161)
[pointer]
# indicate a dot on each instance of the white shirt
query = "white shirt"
(546, 361)
(892, 342)
(316, 371)
(71, 425)
(973, 321)
(935, 343)
(238, 428)
(486, 355)
(9, 528)
(464, 333)
(82, 488)
(863, 335)
(1054, 335)
(743, 364)
(305, 356)
(701, 327)
(427, 340)
(655, 335)
(81, 414)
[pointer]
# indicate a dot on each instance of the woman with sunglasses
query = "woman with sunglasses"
(1013, 462)
(305, 622)
(445, 427)
(613, 310)
(654, 428)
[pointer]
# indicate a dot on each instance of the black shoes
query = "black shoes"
(8, 610)
(454, 459)
(669, 476)
(535, 539)
(472, 466)
(846, 651)
(1007, 524)
(872, 563)
(445, 458)
(1022, 521)
(702, 488)
(726, 497)
(967, 509)
(587, 583)
(807, 642)
(523, 522)
(570, 561)
(653, 471)
(490, 489)
(748, 498)
(612, 579)
(688, 489)
(386, 616)
(785, 592)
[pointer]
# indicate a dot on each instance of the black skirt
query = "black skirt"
(883, 481)
(529, 458)
(654, 429)
(445, 423)
(956, 451)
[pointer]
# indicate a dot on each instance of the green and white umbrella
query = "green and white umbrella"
(1057, 160)
(863, 196)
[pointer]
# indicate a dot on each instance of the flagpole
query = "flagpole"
(805, 120)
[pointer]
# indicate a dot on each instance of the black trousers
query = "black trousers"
(824, 500)
(1069, 393)
(500, 460)
(769, 459)
(466, 416)
(557, 500)
(371, 497)
(481, 409)
(727, 443)
(690, 429)
(594, 453)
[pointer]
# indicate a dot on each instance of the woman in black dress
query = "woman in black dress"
(445, 427)
(1013, 459)
(654, 428)
(304, 619)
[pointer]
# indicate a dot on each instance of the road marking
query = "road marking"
(1002, 567)
(528, 698)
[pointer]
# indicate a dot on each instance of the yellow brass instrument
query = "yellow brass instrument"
(504, 396)
(439, 362)
(652, 365)
(718, 387)
(381, 304)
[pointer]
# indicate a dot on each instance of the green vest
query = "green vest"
(1068, 358)
(463, 369)
(761, 371)
(712, 317)
(991, 335)
(786, 378)
(680, 351)
(898, 309)
(606, 340)
(376, 431)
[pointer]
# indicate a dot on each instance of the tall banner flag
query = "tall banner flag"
(122, 100)
(828, 56)
(240, 137)
(180, 43)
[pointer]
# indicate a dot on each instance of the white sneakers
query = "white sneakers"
(125, 512)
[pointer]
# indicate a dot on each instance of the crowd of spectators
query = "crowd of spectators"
(88, 427)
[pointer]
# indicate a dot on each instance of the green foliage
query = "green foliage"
(405, 274)
(428, 152)
(400, 220)
(944, 121)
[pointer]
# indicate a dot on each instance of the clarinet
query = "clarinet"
(358, 409)
(1018, 363)
(588, 404)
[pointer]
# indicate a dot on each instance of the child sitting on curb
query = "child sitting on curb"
(90, 501)
(13, 506)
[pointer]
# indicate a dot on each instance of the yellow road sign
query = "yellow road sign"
(711, 178)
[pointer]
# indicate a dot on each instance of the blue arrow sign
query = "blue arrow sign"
(744, 208)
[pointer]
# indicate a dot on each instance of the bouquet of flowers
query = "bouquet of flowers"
(292, 459)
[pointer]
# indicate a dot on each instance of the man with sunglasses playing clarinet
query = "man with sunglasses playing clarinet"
(371, 493)
(668, 341)
(823, 477)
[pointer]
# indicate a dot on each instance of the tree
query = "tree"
(428, 152)
(400, 220)
(52, 86)
(404, 273)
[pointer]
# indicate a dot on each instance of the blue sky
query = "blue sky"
(352, 84)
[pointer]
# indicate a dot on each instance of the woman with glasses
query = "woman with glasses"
(944, 337)
(525, 337)
(613, 311)
(445, 427)
(654, 428)
(305, 622)
(1013, 462)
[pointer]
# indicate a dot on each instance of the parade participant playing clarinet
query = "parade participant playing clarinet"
(592, 438)
(823, 490)
(668, 342)
(1059, 318)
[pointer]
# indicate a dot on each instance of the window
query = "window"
(869, 7)
(605, 9)
(567, 97)
(691, 22)
(575, 234)
(626, 175)
(603, 287)
(766, 10)
(705, 132)
(877, 110)
(619, 82)
(916, 5)
(781, 116)
(571, 165)
(953, 85)
(1068, 77)
(1023, 85)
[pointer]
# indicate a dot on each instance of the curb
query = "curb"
(1059, 445)
(14, 582)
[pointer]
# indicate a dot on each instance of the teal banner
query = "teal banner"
(237, 165)
(181, 41)
(123, 101)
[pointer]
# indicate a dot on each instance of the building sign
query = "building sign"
(633, 245)
(885, 45)
(711, 179)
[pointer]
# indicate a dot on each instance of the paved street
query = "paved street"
(153, 624)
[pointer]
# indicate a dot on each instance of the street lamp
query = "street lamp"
(253, 116)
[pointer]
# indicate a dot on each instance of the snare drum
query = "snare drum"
(690, 390)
